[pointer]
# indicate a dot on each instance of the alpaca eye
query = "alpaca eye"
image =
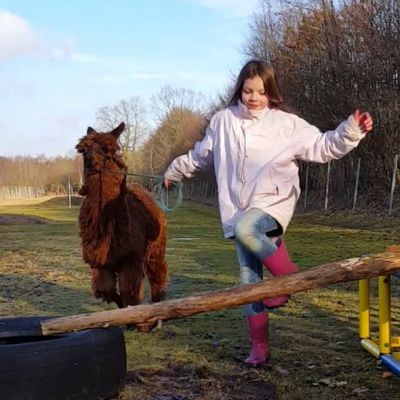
(104, 149)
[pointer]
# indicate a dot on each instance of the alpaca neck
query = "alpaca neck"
(102, 188)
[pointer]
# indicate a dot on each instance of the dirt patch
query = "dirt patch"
(186, 381)
(21, 219)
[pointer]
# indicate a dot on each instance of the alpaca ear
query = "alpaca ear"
(90, 130)
(118, 130)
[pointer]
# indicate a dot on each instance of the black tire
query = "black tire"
(86, 365)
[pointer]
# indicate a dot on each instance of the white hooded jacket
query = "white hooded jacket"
(255, 159)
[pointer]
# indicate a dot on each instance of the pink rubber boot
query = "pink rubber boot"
(277, 264)
(258, 329)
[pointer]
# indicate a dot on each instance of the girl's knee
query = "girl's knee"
(247, 232)
(249, 222)
(243, 229)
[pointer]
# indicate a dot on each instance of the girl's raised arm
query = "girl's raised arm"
(312, 145)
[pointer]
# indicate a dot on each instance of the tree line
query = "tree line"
(44, 172)
(331, 57)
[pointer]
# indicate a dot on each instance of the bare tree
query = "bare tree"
(222, 98)
(133, 113)
(169, 98)
(177, 133)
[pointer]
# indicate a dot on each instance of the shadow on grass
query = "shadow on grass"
(311, 348)
(25, 294)
(48, 297)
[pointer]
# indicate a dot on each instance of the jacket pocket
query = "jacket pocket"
(284, 179)
(265, 184)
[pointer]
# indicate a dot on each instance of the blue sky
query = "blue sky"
(61, 60)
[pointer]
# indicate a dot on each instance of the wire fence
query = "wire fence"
(16, 192)
(320, 188)
(331, 186)
(20, 192)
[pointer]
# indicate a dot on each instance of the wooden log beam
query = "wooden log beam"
(328, 274)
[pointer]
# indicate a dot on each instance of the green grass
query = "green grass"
(315, 350)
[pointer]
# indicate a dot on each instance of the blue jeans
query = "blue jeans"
(253, 245)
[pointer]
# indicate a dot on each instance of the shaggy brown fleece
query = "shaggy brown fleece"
(122, 230)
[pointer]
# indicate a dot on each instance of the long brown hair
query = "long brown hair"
(268, 75)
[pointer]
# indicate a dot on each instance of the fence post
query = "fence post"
(69, 193)
(357, 180)
(306, 188)
(327, 185)
(396, 159)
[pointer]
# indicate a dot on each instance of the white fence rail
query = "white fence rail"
(20, 192)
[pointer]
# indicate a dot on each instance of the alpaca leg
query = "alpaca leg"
(131, 286)
(156, 267)
(131, 289)
(157, 274)
(103, 286)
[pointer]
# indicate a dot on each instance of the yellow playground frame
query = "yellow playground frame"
(386, 347)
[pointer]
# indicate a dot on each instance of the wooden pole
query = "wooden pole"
(328, 274)
(356, 185)
(306, 189)
(69, 193)
(394, 175)
(327, 185)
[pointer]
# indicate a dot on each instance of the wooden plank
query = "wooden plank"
(394, 248)
(328, 274)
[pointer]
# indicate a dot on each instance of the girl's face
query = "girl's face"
(253, 94)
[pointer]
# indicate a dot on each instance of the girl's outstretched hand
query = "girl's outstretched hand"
(364, 121)
(167, 183)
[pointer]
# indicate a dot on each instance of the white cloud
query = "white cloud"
(232, 8)
(18, 39)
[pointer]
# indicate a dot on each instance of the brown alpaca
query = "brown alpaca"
(122, 230)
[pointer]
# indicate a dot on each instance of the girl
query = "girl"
(253, 145)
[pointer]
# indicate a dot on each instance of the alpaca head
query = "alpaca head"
(100, 150)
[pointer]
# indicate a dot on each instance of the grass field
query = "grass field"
(315, 348)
